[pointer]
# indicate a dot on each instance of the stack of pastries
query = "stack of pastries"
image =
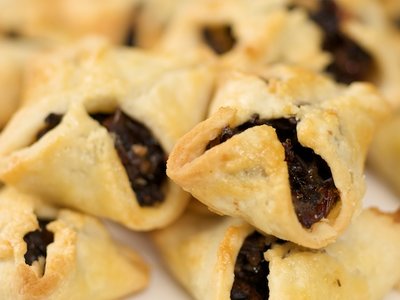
(235, 133)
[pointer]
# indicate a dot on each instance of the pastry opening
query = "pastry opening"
(131, 32)
(251, 269)
(37, 242)
(350, 62)
(12, 34)
(220, 38)
(313, 190)
(51, 121)
(140, 153)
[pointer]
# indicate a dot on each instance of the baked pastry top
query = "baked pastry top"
(284, 150)
(225, 258)
(59, 254)
(101, 124)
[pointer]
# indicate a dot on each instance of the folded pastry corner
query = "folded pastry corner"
(46, 253)
(98, 136)
(284, 151)
(224, 258)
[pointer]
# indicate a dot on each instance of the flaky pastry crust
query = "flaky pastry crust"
(247, 175)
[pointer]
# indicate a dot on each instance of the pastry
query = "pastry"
(96, 129)
(13, 57)
(384, 154)
(361, 42)
(61, 20)
(284, 150)
(225, 258)
(60, 254)
(245, 34)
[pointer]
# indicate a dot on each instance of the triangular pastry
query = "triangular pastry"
(95, 133)
(284, 150)
(59, 254)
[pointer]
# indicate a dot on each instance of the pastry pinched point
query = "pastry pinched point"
(225, 258)
(284, 151)
(59, 254)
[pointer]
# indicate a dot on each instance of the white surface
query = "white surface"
(162, 286)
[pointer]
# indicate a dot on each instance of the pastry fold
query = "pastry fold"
(277, 138)
(60, 254)
(205, 254)
(78, 163)
(384, 154)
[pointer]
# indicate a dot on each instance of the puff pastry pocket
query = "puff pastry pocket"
(245, 34)
(51, 254)
(361, 42)
(106, 154)
(384, 154)
(224, 258)
(286, 153)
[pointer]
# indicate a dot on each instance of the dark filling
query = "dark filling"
(350, 61)
(313, 190)
(140, 153)
(37, 242)
(130, 36)
(12, 34)
(51, 121)
(219, 38)
(131, 33)
(251, 270)
(397, 22)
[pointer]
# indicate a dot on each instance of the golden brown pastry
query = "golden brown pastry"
(284, 150)
(96, 130)
(51, 254)
(225, 258)
(245, 34)
(61, 20)
(384, 154)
